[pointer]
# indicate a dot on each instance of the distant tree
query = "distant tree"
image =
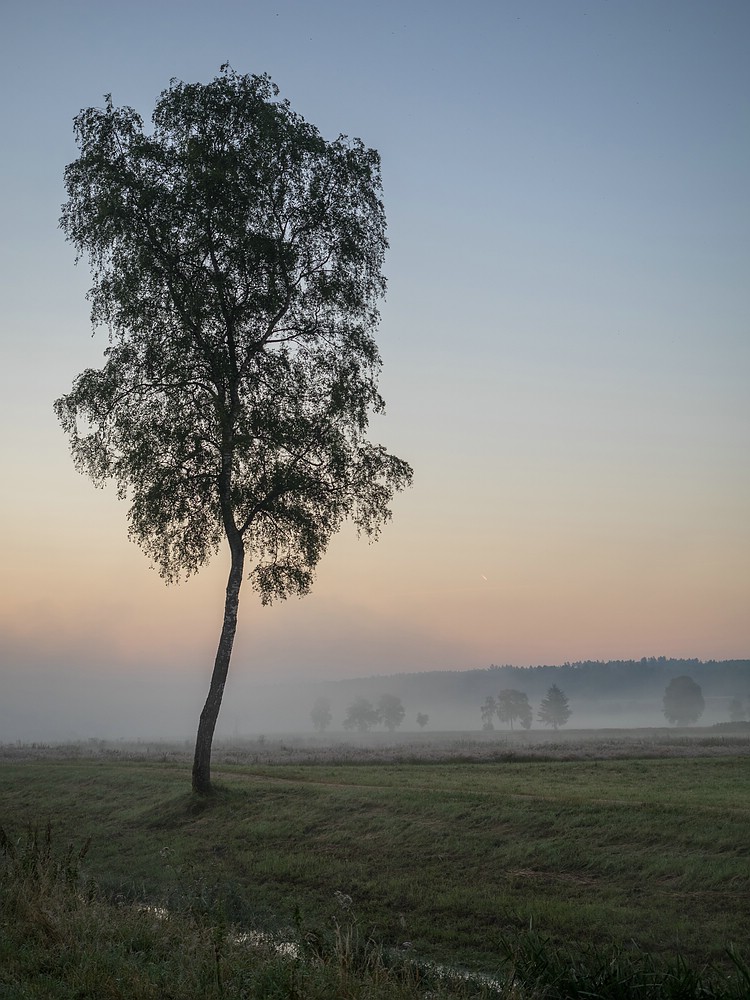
(512, 705)
(488, 710)
(361, 715)
(236, 258)
(683, 701)
(422, 719)
(321, 714)
(554, 710)
(390, 711)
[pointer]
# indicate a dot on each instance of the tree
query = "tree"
(512, 705)
(321, 714)
(554, 710)
(683, 701)
(390, 711)
(487, 710)
(422, 719)
(361, 715)
(236, 259)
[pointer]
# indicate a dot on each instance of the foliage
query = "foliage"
(390, 711)
(236, 259)
(488, 710)
(512, 705)
(683, 701)
(422, 719)
(554, 710)
(361, 715)
(321, 714)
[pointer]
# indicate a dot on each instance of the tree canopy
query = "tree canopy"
(361, 715)
(554, 710)
(237, 263)
(683, 701)
(391, 711)
(511, 705)
(488, 710)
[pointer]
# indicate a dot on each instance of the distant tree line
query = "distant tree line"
(682, 704)
(592, 687)
(585, 680)
(511, 705)
(596, 679)
(362, 715)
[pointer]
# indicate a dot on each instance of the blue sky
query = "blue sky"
(565, 337)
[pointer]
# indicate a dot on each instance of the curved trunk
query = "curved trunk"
(210, 713)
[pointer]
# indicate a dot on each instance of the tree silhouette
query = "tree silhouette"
(236, 259)
(390, 711)
(512, 705)
(488, 710)
(683, 701)
(422, 719)
(361, 715)
(554, 710)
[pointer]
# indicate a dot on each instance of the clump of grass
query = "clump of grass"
(32, 859)
(60, 937)
(553, 973)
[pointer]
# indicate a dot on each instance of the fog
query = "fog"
(52, 701)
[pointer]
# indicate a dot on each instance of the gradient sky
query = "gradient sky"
(566, 340)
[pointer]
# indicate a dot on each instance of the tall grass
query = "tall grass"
(60, 937)
(615, 974)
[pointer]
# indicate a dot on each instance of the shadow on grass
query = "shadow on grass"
(173, 812)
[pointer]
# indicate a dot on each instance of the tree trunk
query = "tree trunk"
(210, 713)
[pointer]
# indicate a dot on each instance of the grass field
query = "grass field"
(453, 857)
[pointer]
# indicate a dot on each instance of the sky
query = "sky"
(565, 342)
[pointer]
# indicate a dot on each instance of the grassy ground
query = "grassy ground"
(61, 938)
(454, 858)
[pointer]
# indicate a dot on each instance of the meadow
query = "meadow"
(436, 850)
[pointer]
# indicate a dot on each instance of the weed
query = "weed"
(614, 974)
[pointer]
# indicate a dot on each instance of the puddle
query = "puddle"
(289, 949)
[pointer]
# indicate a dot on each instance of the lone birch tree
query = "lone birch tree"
(237, 264)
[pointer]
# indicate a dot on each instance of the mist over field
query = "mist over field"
(46, 702)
